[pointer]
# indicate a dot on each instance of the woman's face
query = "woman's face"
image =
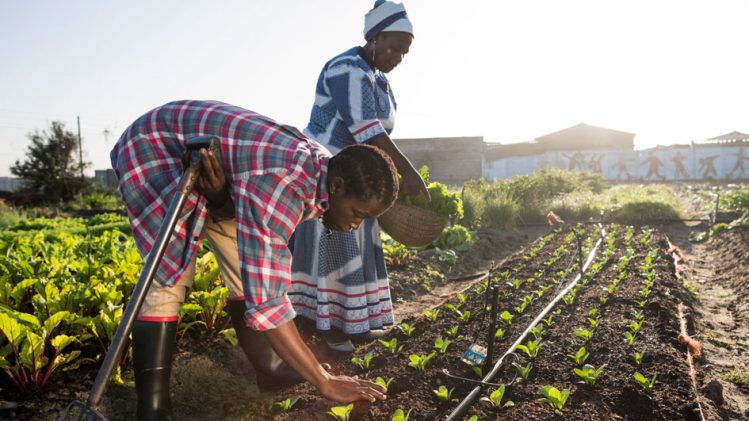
(347, 213)
(390, 49)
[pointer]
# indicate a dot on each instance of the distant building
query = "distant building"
(10, 184)
(451, 160)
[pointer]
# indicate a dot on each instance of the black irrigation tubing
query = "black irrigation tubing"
(463, 406)
(654, 221)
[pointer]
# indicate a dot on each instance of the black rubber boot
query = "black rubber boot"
(153, 348)
(271, 371)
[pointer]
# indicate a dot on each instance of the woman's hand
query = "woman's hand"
(414, 185)
(212, 181)
(346, 389)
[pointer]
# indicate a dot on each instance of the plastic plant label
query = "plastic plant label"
(474, 355)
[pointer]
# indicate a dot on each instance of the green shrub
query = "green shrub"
(735, 200)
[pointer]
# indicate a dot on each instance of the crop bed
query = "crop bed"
(623, 307)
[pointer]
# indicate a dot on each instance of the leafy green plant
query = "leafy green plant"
(399, 415)
(645, 383)
(635, 327)
(554, 397)
(443, 393)
(431, 315)
(453, 331)
(464, 316)
(419, 362)
(391, 345)
(406, 328)
(441, 344)
(523, 371)
(548, 321)
(629, 338)
(580, 356)
(499, 334)
(584, 334)
(589, 373)
(506, 317)
(383, 382)
(593, 323)
(495, 398)
(478, 370)
(637, 356)
(537, 331)
(285, 405)
(531, 347)
(363, 362)
(341, 413)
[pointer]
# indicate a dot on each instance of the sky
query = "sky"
(669, 71)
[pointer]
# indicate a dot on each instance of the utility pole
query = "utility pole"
(80, 149)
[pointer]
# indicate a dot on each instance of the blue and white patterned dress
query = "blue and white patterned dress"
(340, 280)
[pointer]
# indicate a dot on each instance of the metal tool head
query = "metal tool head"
(196, 143)
(79, 411)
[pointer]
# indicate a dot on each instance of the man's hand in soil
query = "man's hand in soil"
(212, 181)
(349, 389)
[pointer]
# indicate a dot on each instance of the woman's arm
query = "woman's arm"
(413, 184)
(286, 341)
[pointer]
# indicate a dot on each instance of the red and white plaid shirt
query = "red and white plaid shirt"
(278, 178)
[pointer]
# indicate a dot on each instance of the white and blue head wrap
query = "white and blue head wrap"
(386, 16)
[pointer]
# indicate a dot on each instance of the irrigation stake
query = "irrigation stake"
(492, 328)
(463, 406)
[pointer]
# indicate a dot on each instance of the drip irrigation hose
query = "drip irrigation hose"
(463, 406)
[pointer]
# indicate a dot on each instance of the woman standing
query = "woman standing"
(339, 279)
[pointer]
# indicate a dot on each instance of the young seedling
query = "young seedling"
(285, 405)
(516, 283)
(461, 298)
(642, 303)
(431, 315)
(419, 362)
(506, 317)
(638, 315)
(637, 356)
(406, 328)
(384, 383)
(548, 321)
(444, 394)
(399, 415)
(580, 356)
(584, 334)
(629, 337)
(499, 334)
(363, 362)
(495, 398)
(644, 382)
(441, 344)
(588, 373)
(453, 331)
(464, 317)
(603, 300)
(453, 307)
(523, 371)
(593, 323)
(593, 313)
(538, 331)
(531, 348)
(391, 345)
(554, 397)
(569, 298)
(521, 307)
(341, 413)
(635, 326)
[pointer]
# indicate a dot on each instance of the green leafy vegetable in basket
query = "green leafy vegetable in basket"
(442, 202)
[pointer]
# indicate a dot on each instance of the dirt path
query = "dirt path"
(717, 271)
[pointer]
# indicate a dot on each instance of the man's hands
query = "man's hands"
(212, 181)
(346, 389)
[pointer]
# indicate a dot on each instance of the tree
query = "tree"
(51, 172)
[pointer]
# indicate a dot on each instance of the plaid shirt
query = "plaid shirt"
(277, 178)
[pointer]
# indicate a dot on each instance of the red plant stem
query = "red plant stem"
(690, 361)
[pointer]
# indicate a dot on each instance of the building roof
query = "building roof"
(731, 137)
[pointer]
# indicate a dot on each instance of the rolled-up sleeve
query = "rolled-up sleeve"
(268, 209)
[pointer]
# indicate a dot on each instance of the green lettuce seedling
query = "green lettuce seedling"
(637, 356)
(464, 317)
(399, 415)
(285, 404)
(453, 331)
(531, 347)
(495, 398)
(506, 317)
(478, 370)
(554, 397)
(635, 326)
(431, 315)
(629, 337)
(523, 371)
(499, 334)
(644, 382)
(588, 373)
(384, 383)
(406, 328)
(584, 334)
(441, 344)
(363, 362)
(341, 413)
(391, 345)
(419, 362)
(580, 356)
(444, 394)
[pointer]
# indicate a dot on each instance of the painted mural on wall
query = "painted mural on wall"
(697, 162)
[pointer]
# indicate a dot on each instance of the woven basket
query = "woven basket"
(411, 225)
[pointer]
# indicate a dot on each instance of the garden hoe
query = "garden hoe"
(78, 410)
